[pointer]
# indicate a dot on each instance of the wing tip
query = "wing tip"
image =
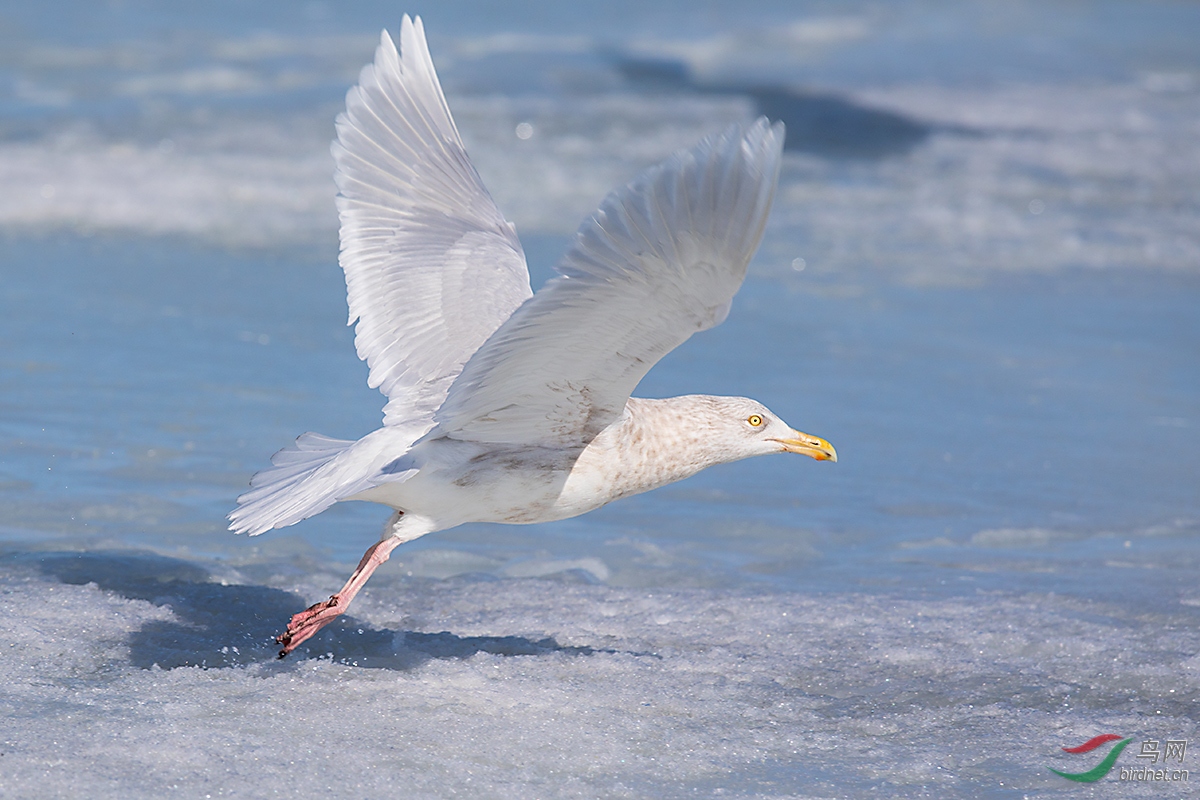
(412, 48)
(762, 137)
(719, 192)
(409, 25)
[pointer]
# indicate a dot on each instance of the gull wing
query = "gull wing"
(432, 267)
(660, 260)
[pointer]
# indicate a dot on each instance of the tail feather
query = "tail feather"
(301, 482)
(318, 471)
(311, 450)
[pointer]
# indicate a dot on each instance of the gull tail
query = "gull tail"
(318, 471)
(302, 481)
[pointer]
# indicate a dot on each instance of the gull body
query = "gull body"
(655, 442)
(505, 406)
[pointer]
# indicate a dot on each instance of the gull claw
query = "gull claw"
(304, 625)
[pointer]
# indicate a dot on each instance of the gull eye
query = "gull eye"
(755, 420)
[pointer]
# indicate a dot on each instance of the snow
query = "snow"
(135, 674)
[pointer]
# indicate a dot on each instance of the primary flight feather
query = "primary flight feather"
(503, 405)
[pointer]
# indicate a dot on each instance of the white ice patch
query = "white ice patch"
(1037, 178)
(1018, 537)
(242, 198)
(270, 183)
(1019, 179)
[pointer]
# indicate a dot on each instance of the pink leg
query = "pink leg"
(315, 617)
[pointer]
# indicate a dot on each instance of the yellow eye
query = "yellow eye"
(755, 420)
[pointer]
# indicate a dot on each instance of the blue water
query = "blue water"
(145, 380)
(979, 282)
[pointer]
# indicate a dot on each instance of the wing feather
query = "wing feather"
(660, 260)
(432, 267)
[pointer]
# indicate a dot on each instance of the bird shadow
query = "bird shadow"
(824, 124)
(217, 625)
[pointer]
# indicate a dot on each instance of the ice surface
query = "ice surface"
(226, 138)
(992, 316)
(136, 675)
(1033, 178)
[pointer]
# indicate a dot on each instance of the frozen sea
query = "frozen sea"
(981, 282)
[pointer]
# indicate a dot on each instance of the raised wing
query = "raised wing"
(432, 268)
(661, 259)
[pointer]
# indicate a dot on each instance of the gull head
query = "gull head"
(764, 432)
(733, 428)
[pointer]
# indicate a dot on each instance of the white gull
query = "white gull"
(505, 406)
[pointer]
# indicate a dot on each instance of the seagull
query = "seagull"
(504, 405)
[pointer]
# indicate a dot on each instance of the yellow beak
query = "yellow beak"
(811, 446)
